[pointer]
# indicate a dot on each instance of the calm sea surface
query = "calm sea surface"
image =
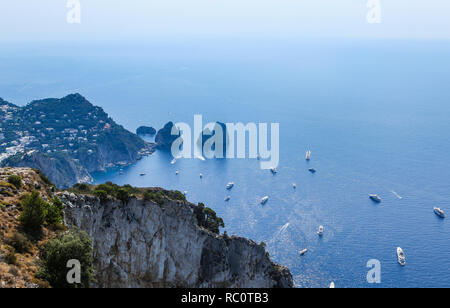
(375, 114)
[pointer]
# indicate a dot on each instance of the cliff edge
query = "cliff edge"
(144, 244)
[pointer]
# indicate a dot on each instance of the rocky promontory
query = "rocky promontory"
(67, 138)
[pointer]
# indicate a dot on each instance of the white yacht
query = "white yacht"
(320, 232)
(174, 161)
(230, 185)
(308, 155)
(332, 285)
(375, 198)
(439, 212)
(303, 252)
(264, 200)
(227, 198)
(401, 256)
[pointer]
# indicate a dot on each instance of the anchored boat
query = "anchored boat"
(439, 212)
(375, 198)
(401, 256)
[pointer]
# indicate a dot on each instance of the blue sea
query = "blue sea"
(375, 114)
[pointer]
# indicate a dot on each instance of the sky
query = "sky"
(46, 20)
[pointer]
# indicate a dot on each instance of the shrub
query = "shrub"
(82, 187)
(15, 180)
(75, 245)
(176, 195)
(155, 196)
(123, 195)
(20, 242)
(110, 189)
(34, 212)
(102, 195)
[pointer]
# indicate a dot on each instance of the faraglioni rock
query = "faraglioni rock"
(217, 145)
(164, 137)
(143, 244)
(145, 130)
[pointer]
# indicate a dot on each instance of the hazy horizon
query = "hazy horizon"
(105, 20)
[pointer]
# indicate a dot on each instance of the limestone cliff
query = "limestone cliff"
(143, 244)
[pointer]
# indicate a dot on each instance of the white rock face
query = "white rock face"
(142, 244)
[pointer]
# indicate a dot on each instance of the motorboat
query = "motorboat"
(439, 212)
(303, 252)
(375, 198)
(401, 256)
(227, 198)
(273, 170)
(264, 200)
(312, 170)
(320, 231)
(230, 185)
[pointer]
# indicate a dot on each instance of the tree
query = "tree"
(55, 254)
(54, 214)
(34, 212)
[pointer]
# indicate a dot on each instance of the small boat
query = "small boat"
(201, 175)
(264, 200)
(332, 285)
(142, 174)
(227, 198)
(439, 212)
(303, 252)
(230, 185)
(320, 232)
(174, 161)
(401, 256)
(294, 186)
(312, 170)
(273, 170)
(308, 155)
(177, 172)
(185, 192)
(375, 198)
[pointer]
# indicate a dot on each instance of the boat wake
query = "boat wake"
(397, 195)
